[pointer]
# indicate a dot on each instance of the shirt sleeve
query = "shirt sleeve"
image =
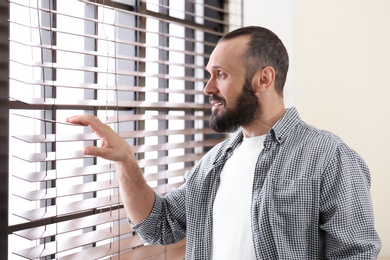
(347, 218)
(166, 224)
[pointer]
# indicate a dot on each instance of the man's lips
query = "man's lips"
(215, 102)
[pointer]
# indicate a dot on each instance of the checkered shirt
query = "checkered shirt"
(310, 199)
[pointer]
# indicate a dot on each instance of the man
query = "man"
(278, 189)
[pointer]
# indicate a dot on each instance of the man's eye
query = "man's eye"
(221, 74)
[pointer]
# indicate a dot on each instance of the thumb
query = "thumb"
(91, 150)
(97, 151)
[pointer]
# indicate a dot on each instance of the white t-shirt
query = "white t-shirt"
(232, 235)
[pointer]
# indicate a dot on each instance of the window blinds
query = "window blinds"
(139, 67)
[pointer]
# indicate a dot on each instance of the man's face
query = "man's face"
(231, 118)
(233, 101)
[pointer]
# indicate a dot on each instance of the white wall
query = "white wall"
(339, 78)
(278, 16)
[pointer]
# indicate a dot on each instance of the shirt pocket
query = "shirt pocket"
(295, 203)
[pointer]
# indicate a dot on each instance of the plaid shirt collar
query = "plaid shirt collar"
(278, 133)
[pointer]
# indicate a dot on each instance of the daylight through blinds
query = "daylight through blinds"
(139, 67)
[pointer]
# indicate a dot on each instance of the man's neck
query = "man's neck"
(264, 122)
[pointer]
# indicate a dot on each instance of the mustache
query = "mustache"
(214, 98)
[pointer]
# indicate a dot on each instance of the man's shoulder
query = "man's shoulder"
(322, 141)
(316, 134)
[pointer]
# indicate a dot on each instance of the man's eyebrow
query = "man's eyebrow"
(216, 67)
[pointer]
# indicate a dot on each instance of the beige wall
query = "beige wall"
(341, 78)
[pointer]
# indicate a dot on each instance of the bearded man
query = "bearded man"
(278, 188)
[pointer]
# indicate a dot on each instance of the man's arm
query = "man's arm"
(138, 198)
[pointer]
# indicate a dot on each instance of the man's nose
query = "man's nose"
(210, 87)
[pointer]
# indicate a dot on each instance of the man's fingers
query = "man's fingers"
(92, 121)
(89, 150)
(84, 120)
(109, 138)
(93, 150)
(77, 119)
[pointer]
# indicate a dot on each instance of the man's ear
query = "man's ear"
(264, 78)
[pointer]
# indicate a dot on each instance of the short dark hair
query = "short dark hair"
(264, 49)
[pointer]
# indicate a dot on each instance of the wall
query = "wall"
(339, 79)
(277, 15)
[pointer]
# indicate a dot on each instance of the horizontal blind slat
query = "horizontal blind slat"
(93, 137)
(72, 225)
(188, 13)
(89, 170)
(59, 192)
(144, 252)
(142, 89)
(52, 65)
(107, 249)
(77, 241)
(63, 191)
(154, 252)
(111, 104)
(79, 206)
(125, 118)
(192, 26)
(68, 208)
(51, 156)
(65, 173)
(116, 55)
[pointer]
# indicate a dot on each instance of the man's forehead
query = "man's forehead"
(227, 53)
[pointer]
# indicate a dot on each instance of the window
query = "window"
(139, 67)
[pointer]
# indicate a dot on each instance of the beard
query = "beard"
(243, 113)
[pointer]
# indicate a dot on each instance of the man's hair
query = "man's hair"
(264, 49)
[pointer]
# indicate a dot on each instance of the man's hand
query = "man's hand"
(113, 147)
(137, 196)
